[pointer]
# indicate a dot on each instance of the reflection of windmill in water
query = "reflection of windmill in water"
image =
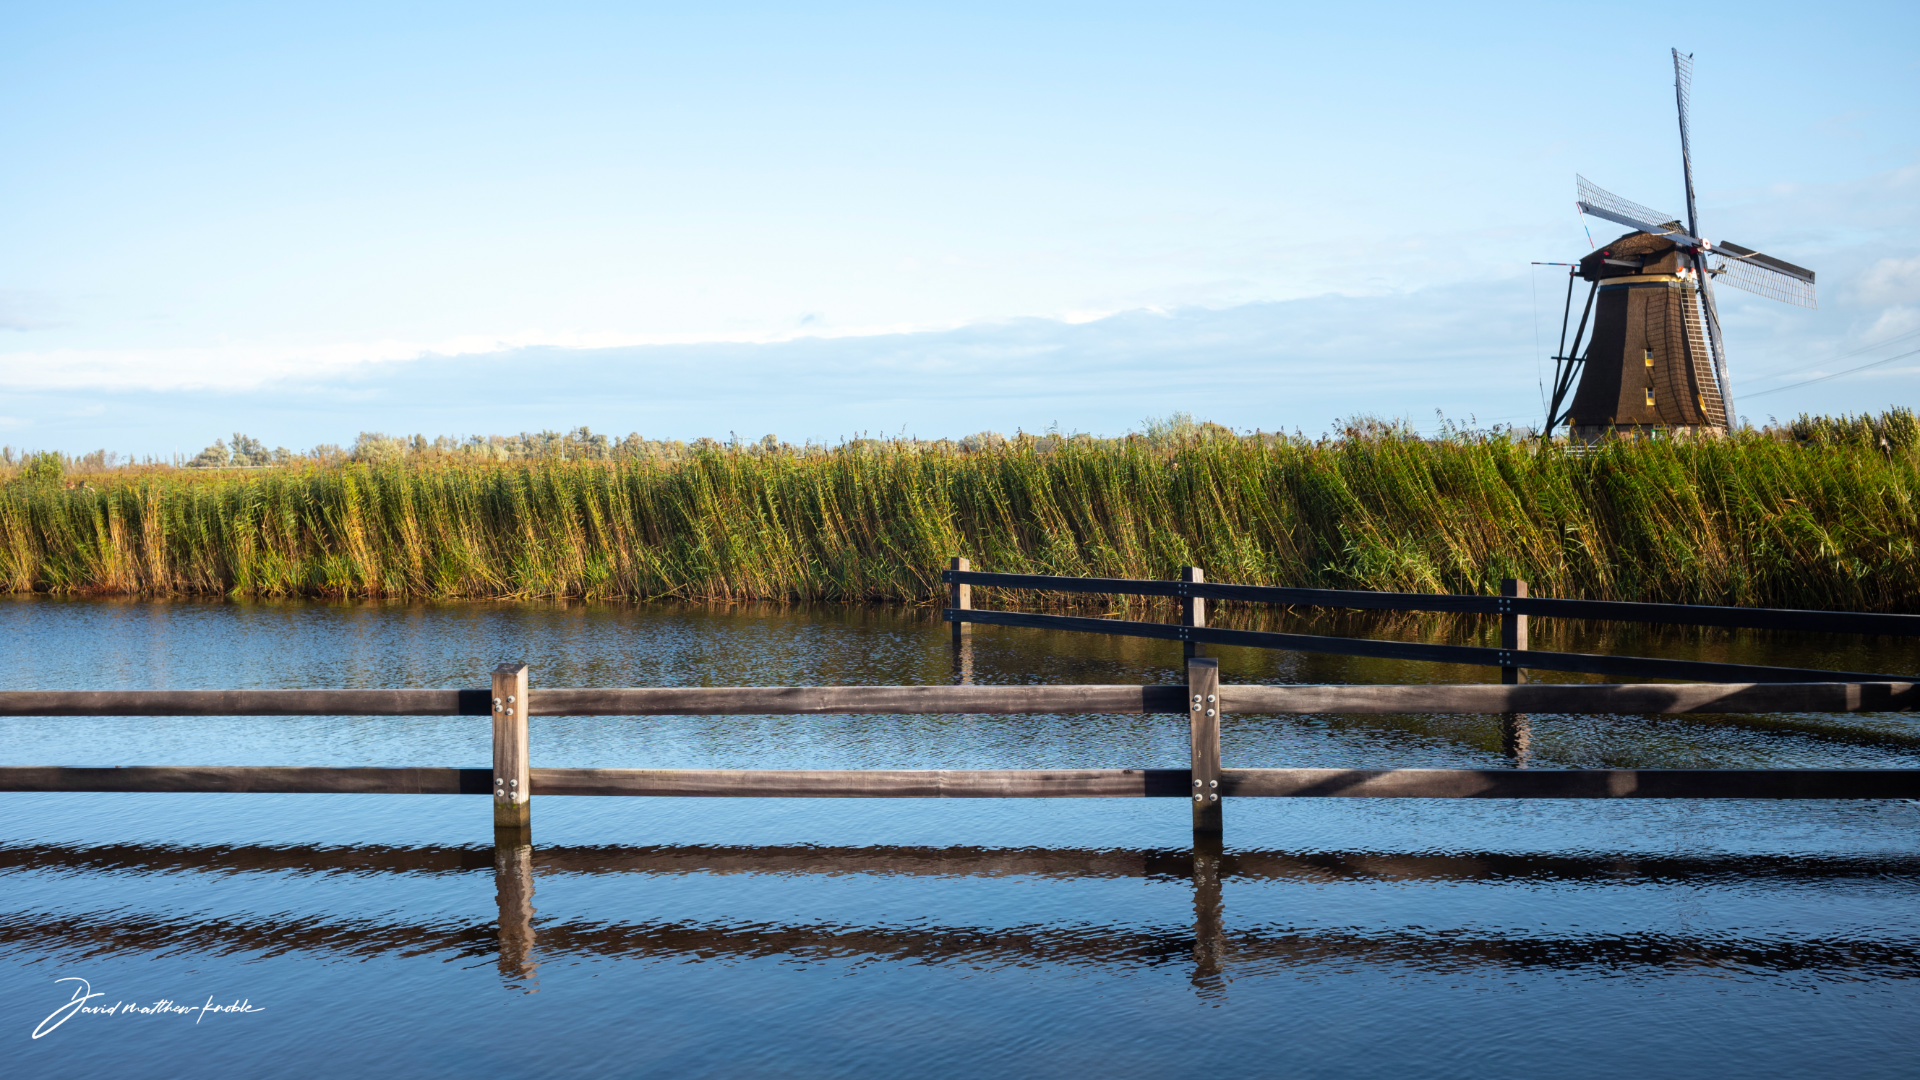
(1654, 363)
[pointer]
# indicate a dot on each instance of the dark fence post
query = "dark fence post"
(1516, 734)
(1193, 609)
(960, 598)
(1203, 707)
(512, 783)
(1513, 631)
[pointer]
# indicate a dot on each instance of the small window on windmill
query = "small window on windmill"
(1649, 353)
(1649, 395)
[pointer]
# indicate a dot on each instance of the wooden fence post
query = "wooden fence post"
(1203, 706)
(512, 791)
(960, 598)
(1193, 609)
(1516, 734)
(1513, 631)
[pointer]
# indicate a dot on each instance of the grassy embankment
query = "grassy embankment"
(1827, 520)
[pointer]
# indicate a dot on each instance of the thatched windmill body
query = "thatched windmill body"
(1656, 361)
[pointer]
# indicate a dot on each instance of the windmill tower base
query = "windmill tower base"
(1590, 434)
(1648, 371)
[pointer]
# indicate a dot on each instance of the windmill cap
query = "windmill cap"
(1633, 253)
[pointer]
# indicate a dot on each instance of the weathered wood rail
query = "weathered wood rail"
(512, 781)
(1648, 698)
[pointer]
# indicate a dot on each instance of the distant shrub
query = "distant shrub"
(213, 457)
(42, 468)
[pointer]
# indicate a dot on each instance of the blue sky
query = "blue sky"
(303, 223)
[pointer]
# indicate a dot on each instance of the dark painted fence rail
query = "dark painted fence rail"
(1514, 607)
(1835, 622)
(512, 781)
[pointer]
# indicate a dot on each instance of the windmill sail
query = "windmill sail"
(1745, 268)
(1683, 97)
(1593, 199)
(1683, 100)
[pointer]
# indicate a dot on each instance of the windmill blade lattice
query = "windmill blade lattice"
(1744, 268)
(1683, 97)
(1598, 201)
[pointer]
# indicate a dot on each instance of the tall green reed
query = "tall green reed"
(1746, 520)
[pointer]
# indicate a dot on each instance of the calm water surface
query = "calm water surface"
(384, 936)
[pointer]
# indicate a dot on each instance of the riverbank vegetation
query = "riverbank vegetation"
(1819, 514)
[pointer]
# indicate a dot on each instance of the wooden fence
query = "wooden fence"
(512, 781)
(1203, 700)
(1513, 606)
(1204, 782)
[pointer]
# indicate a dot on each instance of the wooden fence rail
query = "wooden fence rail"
(993, 783)
(1833, 622)
(513, 781)
(1514, 607)
(1584, 663)
(1587, 698)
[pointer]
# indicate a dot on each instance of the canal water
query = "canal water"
(384, 936)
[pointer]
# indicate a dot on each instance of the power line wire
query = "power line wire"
(1894, 340)
(1835, 375)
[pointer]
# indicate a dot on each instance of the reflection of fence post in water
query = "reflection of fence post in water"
(1516, 738)
(513, 887)
(1516, 734)
(1209, 910)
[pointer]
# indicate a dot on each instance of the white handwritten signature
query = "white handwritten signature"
(84, 993)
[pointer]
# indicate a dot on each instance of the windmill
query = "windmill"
(1656, 360)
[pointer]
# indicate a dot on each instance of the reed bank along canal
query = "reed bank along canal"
(974, 937)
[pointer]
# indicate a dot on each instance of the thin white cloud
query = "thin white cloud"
(248, 366)
(1893, 322)
(1891, 281)
(1858, 233)
(24, 311)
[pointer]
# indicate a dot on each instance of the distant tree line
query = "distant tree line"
(244, 453)
(1895, 430)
